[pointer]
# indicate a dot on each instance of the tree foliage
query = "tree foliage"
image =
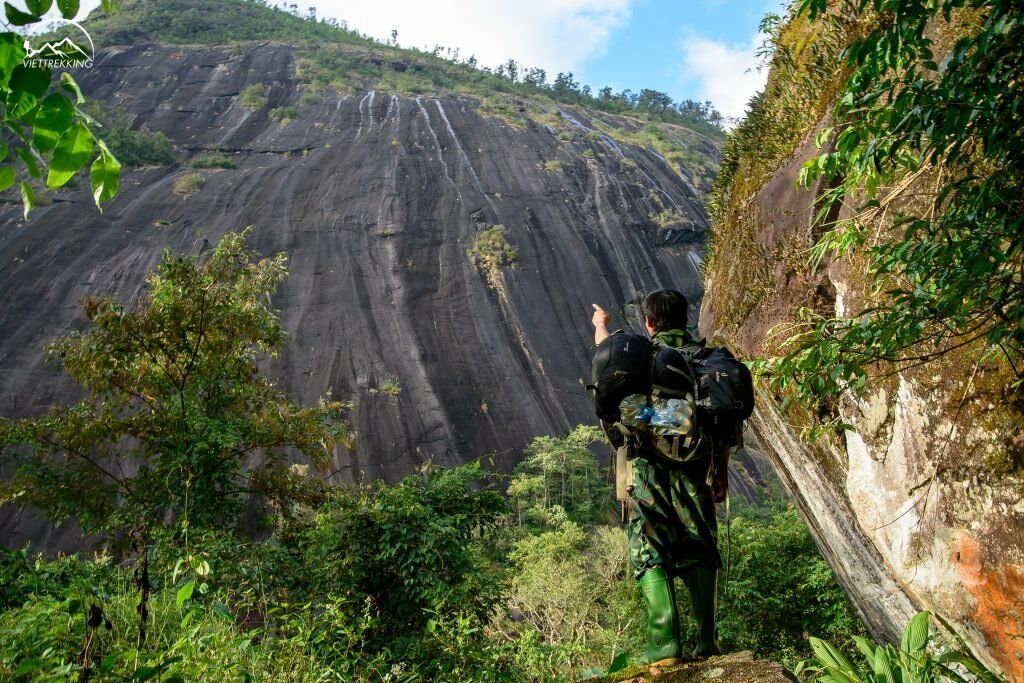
(922, 108)
(44, 126)
(561, 472)
(175, 405)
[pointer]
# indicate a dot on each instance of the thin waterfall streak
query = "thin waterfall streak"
(465, 159)
(361, 115)
(437, 144)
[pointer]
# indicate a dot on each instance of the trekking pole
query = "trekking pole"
(728, 542)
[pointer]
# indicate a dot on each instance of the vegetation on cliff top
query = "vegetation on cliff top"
(372, 64)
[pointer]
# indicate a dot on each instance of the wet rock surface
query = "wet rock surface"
(377, 198)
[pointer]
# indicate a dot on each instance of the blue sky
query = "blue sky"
(696, 49)
(689, 49)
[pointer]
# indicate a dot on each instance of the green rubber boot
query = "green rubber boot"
(663, 646)
(702, 583)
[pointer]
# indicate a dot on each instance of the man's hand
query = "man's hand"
(600, 320)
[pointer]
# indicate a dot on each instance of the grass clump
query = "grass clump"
(491, 253)
(390, 386)
(666, 219)
(188, 184)
(254, 97)
(284, 114)
(212, 160)
(552, 165)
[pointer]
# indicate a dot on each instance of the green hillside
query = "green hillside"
(331, 51)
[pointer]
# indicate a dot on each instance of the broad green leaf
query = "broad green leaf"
(185, 593)
(7, 177)
(3, 151)
(54, 117)
(17, 17)
(68, 8)
(26, 87)
(915, 636)
(73, 150)
(830, 656)
(144, 673)
(31, 164)
(38, 7)
(27, 198)
(12, 53)
(104, 175)
(621, 661)
(68, 83)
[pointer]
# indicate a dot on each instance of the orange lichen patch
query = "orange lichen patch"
(998, 592)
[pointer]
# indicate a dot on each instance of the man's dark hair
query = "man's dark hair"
(666, 309)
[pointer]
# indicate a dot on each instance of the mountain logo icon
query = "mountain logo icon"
(73, 51)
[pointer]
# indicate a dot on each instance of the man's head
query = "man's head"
(663, 310)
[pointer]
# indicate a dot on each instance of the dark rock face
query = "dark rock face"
(376, 197)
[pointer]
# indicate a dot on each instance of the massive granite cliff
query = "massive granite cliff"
(377, 197)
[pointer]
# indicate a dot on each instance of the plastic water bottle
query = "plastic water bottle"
(672, 417)
(668, 417)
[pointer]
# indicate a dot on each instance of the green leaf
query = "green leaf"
(73, 150)
(144, 673)
(185, 593)
(12, 53)
(38, 7)
(67, 82)
(7, 177)
(54, 117)
(620, 662)
(28, 666)
(30, 161)
(830, 656)
(27, 198)
(68, 8)
(915, 636)
(26, 87)
(104, 175)
(17, 17)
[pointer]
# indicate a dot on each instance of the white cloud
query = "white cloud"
(725, 73)
(556, 35)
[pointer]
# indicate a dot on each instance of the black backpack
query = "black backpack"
(718, 385)
(621, 367)
(726, 389)
(651, 374)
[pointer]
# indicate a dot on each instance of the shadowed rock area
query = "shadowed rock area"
(377, 198)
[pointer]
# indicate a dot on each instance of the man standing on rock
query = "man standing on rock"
(672, 527)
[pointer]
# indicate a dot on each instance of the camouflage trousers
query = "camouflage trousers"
(672, 520)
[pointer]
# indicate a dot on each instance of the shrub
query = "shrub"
(284, 114)
(666, 219)
(309, 98)
(390, 386)
(491, 253)
(254, 97)
(914, 661)
(132, 147)
(187, 184)
(212, 160)
(552, 165)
